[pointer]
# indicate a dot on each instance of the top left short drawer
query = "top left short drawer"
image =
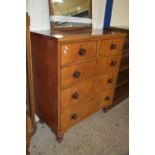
(75, 52)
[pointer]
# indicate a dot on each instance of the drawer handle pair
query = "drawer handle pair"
(113, 46)
(82, 52)
(76, 74)
(74, 116)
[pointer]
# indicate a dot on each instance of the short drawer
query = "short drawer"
(73, 115)
(76, 73)
(73, 52)
(111, 47)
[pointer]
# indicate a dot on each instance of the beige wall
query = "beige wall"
(120, 14)
(39, 14)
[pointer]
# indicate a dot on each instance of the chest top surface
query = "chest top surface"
(78, 35)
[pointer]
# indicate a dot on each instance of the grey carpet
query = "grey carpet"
(99, 134)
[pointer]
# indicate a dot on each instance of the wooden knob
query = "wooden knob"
(82, 52)
(110, 81)
(75, 95)
(74, 116)
(107, 98)
(76, 74)
(113, 63)
(113, 46)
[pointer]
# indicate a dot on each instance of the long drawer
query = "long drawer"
(73, 52)
(74, 95)
(73, 115)
(76, 73)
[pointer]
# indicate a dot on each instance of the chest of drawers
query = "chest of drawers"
(75, 75)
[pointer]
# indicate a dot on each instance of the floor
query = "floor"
(100, 134)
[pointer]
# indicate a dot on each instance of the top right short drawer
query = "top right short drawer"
(111, 47)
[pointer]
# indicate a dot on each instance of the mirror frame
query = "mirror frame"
(74, 28)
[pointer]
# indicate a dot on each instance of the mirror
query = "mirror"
(70, 14)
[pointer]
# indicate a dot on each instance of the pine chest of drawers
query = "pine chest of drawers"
(75, 75)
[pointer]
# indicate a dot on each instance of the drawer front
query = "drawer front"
(76, 73)
(104, 82)
(111, 47)
(73, 52)
(113, 63)
(106, 98)
(73, 95)
(73, 115)
(108, 64)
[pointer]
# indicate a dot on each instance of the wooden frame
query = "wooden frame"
(76, 28)
(30, 101)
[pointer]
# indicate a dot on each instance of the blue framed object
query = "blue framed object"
(108, 13)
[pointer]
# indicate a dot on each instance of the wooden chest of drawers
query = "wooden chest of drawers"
(75, 75)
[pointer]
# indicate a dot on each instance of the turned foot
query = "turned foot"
(59, 139)
(41, 121)
(27, 153)
(27, 149)
(105, 109)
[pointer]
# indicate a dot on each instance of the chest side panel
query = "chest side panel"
(45, 70)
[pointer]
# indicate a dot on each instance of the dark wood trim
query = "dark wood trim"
(30, 111)
(120, 84)
(124, 68)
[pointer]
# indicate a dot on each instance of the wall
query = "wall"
(98, 9)
(39, 13)
(120, 13)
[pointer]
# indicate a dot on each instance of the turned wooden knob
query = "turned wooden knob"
(76, 74)
(110, 81)
(74, 116)
(113, 63)
(75, 95)
(113, 46)
(107, 98)
(82, 52)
